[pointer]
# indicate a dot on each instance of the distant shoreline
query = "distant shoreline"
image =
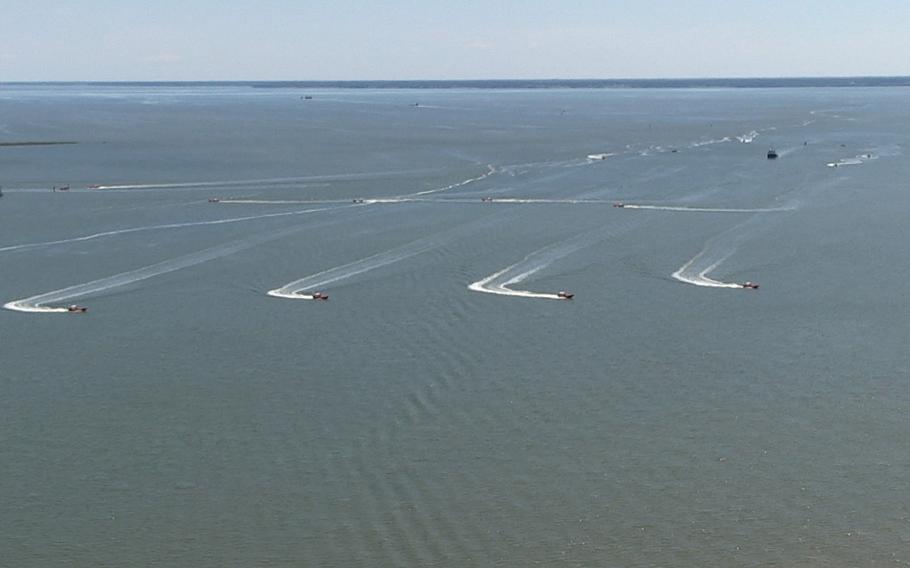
(691, 83)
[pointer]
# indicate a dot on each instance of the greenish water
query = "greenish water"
(190, 419)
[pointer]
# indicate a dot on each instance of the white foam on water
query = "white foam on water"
(38, 303)
(748, 138)
(103, 234)
(490, 171)
(302, 288)
(705, 209)
(696, 270)
(855, 161)
(261, 181)
(499, 282)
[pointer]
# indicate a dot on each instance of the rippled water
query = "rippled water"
(192, 419)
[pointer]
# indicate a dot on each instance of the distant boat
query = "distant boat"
(1, 191)
(772, 153)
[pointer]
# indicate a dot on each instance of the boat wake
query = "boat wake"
(490, 171)
(263, 181)
(103, 234)
(716, 251)
(705, 209)
(500, 282)
(696, 271)
(39, 303)
(855, 161)
(303, 288)
(748, 138)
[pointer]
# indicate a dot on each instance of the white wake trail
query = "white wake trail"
(39, 303)
(695, 272)
(490, 171)
(116, 232)
(499, 282)
(303, 288)
(295, 179)
(706, 209)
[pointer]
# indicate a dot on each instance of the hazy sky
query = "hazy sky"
(449, 39)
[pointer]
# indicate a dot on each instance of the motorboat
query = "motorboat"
(358, 200)
(214, 200)
(319, 296)
(487, 199)
(772, 154)
(94, 186)
(619, 204)
(74, 309)
(565, 295)
(750, 285)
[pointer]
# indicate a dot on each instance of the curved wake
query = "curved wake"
(696, 270)
(39, 303)
(499, 282)
(303, 288)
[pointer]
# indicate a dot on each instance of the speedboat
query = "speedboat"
(319, 296)
(358, 200)
(619, 204)
(565, 295)
(94, 186)
(772, 153)
(750, 285)
(487, 199)
(214, 200)
(74, 309)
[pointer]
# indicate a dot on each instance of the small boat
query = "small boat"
(308, 98)
(565, 295)
(357, 200)
(94, 186)
(619, 204)
(319, 296)
(772, 153)
(750, 285)
(74, 309)
(214, 200)
(487, 199)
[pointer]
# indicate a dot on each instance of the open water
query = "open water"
(445, 407)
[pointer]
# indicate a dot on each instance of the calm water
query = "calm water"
(190, 419)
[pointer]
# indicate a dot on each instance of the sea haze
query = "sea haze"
(445, 407)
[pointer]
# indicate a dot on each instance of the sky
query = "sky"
(160, 40)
